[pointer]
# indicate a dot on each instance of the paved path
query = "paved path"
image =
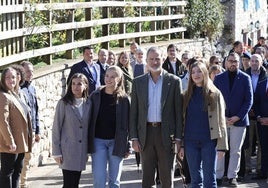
(50, 176)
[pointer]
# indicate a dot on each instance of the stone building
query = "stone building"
(246, 21)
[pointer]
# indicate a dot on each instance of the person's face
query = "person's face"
(28, 72)
(111, 79)
(88, 55)
(11, 79)
(123, 59)
(185, 59)
(154, 61)
(259, 51)
(239, 48)
(111, 59)
(133, 48)
(78, 87)
(262, 41)
(214, 73)
(216, 61)
(139, 57)
(197, 76)
(233, 63)
(246, 62)
(18, 78)
(172, 53)
(103, 56)
(255, 63)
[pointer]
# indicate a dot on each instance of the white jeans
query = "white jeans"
(236, 136)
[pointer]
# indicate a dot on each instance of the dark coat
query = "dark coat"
(171, 109)
(180, 68)
(121, 147)
(82, 67)
(262, 76)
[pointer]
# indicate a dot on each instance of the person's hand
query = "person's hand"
(263, 121)
(220, 154)
(181, 153)
(136, 145)
(12, 147)
(232, 120)
(59, 160)
(37, 137)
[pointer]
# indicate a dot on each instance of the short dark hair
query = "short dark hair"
(261, 38)
(236, 43)
(172, 46)
(87, 48)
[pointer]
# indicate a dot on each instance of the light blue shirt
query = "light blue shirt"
(94, 69)
(154, 99)
(254, 79)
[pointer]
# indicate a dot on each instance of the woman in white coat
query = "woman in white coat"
(70, 131)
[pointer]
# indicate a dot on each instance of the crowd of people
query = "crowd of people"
(209, 115)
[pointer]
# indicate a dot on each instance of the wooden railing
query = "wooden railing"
(14, 31)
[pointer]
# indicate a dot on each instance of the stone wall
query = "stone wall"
(245, 25)
(50, 83)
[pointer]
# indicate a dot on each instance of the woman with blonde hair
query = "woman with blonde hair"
(124, 64)
(205, 127)
(108, 134)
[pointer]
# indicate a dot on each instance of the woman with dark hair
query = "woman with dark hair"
(15, 130)
(20, 81)
(205, 128)
(108, 135)
(70, 131)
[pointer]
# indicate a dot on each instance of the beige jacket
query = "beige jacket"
(217, 122)
(15, 126)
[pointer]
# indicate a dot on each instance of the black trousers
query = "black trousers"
(71, 178)
(11, 165)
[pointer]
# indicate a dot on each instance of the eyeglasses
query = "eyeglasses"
(233, 61)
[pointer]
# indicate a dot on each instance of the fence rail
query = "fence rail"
(15, 30)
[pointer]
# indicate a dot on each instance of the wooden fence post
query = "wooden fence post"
(122, 27)
(138, 25)
(105, 28)
(70, 33)
(153, 26)
(88, 17)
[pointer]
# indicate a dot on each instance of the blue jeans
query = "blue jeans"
(201, 158)
(103, 156)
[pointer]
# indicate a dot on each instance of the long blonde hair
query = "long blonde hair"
(208, 88)
(119, 91)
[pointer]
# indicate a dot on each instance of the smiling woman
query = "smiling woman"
(70, 130)
(15, 130)
(205, 127)
(108, 134)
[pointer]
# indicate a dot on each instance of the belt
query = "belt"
(154, 124)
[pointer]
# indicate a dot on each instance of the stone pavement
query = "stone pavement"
(50, 176)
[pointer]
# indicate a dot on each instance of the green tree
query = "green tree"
(204, 18)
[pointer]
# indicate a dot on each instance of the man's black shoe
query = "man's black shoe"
(233, 182)
(240, 179)
(219, 182)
